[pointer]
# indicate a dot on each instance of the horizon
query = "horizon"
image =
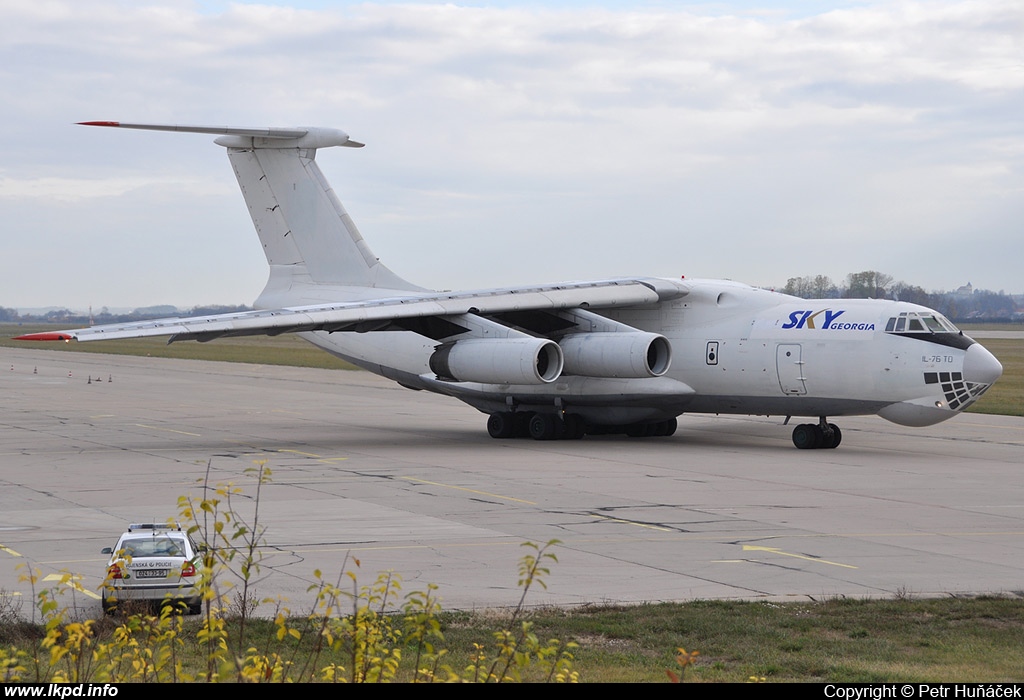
(129, 308)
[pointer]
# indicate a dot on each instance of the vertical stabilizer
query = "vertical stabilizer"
(308, 237)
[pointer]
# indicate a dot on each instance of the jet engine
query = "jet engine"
(628, 355)
(499, 361)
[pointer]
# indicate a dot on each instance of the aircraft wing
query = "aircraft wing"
(388, 313)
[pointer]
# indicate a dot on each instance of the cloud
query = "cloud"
(519, 144)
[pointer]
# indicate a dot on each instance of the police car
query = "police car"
(153, 562)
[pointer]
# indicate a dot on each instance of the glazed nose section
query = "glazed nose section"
(981, 366)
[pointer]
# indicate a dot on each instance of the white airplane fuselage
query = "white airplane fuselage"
(736, 349)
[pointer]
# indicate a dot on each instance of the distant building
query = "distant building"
(964, 291)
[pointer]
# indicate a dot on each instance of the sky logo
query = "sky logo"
(809, 319)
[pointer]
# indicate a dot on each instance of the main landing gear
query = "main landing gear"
(566, 426)
(811, 436)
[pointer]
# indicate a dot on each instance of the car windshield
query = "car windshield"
(154, 547)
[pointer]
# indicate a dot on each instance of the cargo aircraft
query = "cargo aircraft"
(558, 361)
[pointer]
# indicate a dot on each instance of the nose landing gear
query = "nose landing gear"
(811, 436)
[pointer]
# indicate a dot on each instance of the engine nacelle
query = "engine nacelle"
(632, 355)
(499, 361)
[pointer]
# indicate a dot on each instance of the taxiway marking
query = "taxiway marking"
(773, 550)
(634, 523)
(319, 458)
(167, 430)
(8, 550)
(71, 582)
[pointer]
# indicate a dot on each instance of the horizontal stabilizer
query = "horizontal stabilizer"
(318, 137)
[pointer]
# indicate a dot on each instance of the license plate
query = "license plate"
(151, 573)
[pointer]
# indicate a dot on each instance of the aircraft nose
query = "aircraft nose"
(981, 366)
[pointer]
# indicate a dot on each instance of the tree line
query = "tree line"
(962, 304)
(8, 315)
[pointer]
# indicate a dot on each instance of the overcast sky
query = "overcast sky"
(518, 142)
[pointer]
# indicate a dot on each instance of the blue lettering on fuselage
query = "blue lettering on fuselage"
(796, 319)
(809, 319)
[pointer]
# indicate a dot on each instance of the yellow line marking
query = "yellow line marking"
(71, 582)
(167, 430)
(319, 458)
(299, 452)
(262, 451)
(9, 551)
(847, 535)
(462, 488)
(773, 550)
(632, 522)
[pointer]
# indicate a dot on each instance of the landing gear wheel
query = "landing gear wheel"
(545, 426)
(837, 437)
(502, 424)
(575, 426)
(661, 428)
(805, 436)
(812, 436)
(636, 430)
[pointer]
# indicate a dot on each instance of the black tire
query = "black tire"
(637, 430)
(521, 424)
(670, 427)
(502, 424)
(543, 426)
(837, 436)
(575, 426)
(805, 436)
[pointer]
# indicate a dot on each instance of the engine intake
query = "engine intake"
(499, 361)
(632, 355)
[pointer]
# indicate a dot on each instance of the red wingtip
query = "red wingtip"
(45, 336)
(99, 123)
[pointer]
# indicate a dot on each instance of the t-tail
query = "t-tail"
(309, 239)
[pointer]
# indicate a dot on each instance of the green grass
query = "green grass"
(1006, 397)
(835, 640)
(839, 640)
(287, 349)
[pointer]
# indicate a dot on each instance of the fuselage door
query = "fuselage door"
(790, 364)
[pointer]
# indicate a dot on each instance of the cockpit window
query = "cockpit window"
(920, 322)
